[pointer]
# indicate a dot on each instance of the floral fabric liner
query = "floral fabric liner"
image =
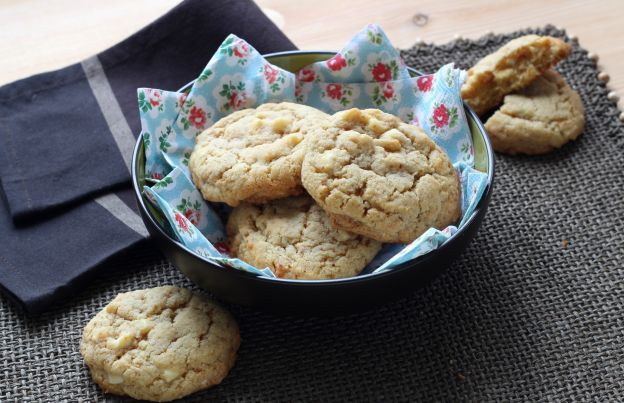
(367, 73)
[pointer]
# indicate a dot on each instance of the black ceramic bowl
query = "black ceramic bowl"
(323, 297)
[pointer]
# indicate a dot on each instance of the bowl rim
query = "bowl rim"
(407, 265)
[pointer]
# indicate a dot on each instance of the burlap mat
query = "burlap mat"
(518, 317)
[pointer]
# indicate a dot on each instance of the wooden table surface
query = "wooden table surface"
(40, 35)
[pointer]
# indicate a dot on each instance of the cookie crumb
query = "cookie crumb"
(565, 243)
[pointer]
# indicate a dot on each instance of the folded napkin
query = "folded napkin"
(47, 261)
(66, 139)
(68, 134)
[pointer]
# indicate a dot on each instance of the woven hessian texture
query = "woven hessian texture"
(518, 316)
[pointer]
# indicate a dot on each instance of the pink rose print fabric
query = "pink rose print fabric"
(369, 73)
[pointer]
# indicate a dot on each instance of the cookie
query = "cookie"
(379, 177)
(253, 155)
(510, 69)
(160, 344)
(540, 118)
(293, 237)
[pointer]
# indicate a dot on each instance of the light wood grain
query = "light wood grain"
(40, 35)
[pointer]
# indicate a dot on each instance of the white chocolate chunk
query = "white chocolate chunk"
(170, 374)
(114, 379)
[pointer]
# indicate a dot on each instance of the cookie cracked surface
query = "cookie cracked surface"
(293, 237)
(253, 155)
(379, 177)
(160, 344)
(542, 117)
(510, 68)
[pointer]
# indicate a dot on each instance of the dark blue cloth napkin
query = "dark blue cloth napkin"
(66, 140)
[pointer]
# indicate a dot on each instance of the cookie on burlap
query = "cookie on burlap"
(160, 344)
(510, 68)
(293, 237)
(253, 155)
(379, 177)
(540, 118)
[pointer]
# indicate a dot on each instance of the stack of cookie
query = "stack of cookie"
(369, 178)
(539, 111)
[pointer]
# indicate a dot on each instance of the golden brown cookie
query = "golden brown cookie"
(253, 155)
(540, 118)
(160, 344)
(293, 237)
(379, 177)
(511, 68)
